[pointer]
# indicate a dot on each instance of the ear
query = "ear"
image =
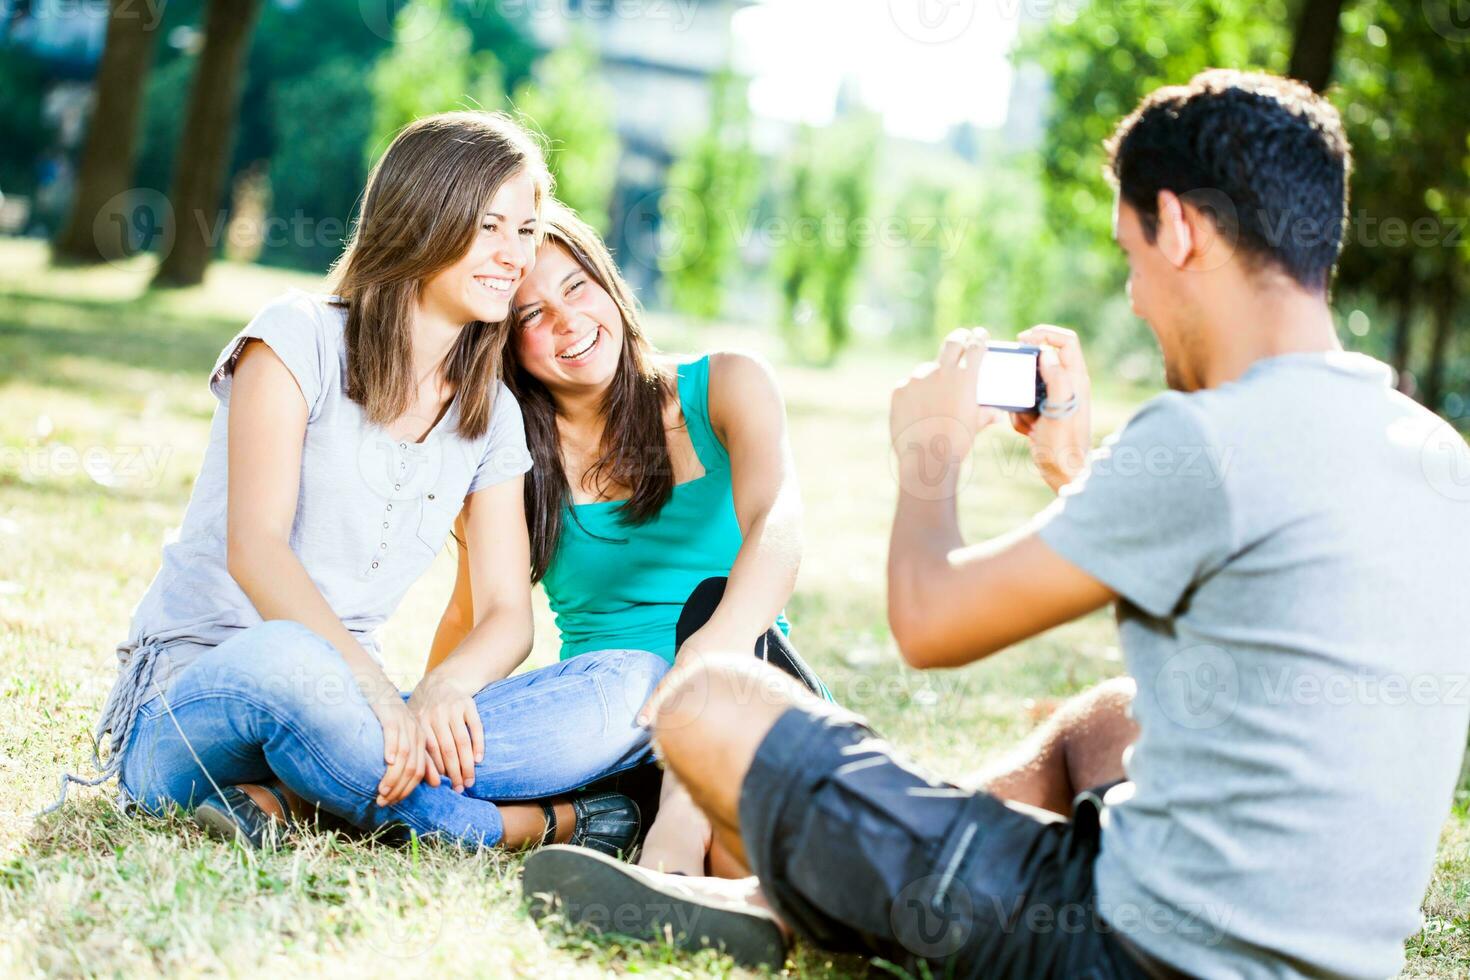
(1176, 238)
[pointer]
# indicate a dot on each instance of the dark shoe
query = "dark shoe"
(606, 822)
(233, 815)
(594, 891)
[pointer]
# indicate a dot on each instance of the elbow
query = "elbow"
(253, 560)
(907, 620)
(915, 646)
(240, 560)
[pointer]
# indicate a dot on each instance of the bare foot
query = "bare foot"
(680, 838)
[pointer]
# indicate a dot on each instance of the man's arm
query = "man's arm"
(950, 604)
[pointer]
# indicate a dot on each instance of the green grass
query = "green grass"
(88, 361)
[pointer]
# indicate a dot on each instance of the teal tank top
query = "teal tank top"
(615, 586)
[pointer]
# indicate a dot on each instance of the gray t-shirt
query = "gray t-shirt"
(1291, 551)
(371, 513)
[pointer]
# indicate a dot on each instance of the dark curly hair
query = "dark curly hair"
(1265, 157)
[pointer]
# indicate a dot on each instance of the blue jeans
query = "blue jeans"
(278, 700)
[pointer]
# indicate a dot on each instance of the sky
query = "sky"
(925, 65)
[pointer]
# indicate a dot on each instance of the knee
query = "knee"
(1111, 697)
(628, 678)
(287, 659)
(715, 703)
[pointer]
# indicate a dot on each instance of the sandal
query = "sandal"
(606, 822)
(234, 815)
(588, 889)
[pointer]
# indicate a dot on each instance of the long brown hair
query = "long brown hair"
(634, 450)
(422, 208)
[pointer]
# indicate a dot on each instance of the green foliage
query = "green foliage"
(428, 71)
(826, 206)
(318, 171)
(711, 190)
(1401, 90)
(570, 105)
(1106, 59)
(27, 137)
(164, 102)
(1399, 83)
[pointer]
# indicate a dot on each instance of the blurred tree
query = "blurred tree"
(202, 156)
(98, 227)
(1314, 42)
(711, 191)
(166, 97)
(1400, 76)
(317, 171)
(27, 136)
(569, 104)
(429, 71)
(291, 43)
(1402, 85)
(828, 204)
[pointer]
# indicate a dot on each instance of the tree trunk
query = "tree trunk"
(97, 229)
(1314, 46)
(1444, 316)
(202, 156)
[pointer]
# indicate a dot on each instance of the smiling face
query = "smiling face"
(570, 331)
(480, 284)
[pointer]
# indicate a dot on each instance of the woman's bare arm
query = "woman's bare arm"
(749, 415)
(267, 429)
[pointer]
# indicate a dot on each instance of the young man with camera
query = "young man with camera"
(1284, 538)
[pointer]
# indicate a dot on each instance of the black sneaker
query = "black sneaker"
(606, 822)
(594, 891)
(233, 815)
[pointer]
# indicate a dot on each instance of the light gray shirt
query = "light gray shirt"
(371, 513)
(1291, 551)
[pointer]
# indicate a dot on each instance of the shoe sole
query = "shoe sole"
(221, 826)
(594, 891)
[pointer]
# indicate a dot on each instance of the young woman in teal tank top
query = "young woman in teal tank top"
(663, 506)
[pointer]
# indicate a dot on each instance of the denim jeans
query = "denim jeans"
(279, 700)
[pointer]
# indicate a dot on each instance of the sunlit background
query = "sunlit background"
(838, 171)
(834, 183)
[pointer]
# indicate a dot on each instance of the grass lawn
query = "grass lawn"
(105, 417)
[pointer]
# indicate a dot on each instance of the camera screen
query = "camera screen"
(1008, 377)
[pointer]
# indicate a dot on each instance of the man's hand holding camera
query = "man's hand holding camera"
(935, 416)
(1061, 433)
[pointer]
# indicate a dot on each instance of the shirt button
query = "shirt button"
(431, 496)
(383, 545)
(397, 486)
(403, 445)
(375, 564)
(390, 506)
(385, 523)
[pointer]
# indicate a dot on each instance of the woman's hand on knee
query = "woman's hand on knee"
(404, 750)
(454, 736)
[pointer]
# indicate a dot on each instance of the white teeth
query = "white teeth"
(586, 345)
(495, 285)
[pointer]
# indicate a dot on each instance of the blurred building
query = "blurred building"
(658, 59)
(67, 36)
